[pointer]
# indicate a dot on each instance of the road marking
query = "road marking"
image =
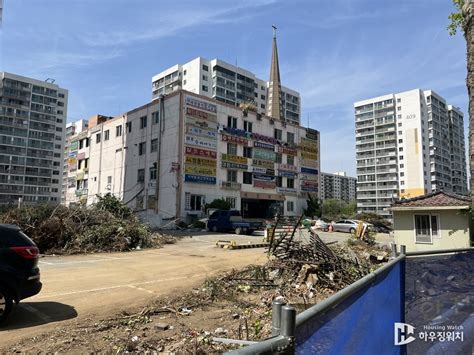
(44, 317)
(43, 295)
(142, 289)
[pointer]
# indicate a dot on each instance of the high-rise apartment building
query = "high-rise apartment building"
(229, 84)
(407, 144)
(338, 186)
(32, 127)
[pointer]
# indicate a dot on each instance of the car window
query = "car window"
(12, 237)
(214, 215)
(341, 222)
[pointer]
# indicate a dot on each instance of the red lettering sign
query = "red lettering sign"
(201, 152)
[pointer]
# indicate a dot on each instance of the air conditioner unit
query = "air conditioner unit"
(259, 116)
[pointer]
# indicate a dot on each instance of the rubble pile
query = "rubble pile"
(107, 226)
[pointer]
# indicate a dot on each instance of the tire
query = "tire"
(238, 231)
(214, 229)
(352, 231)
(6, 304)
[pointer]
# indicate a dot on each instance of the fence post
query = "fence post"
(394, 250)
(288, 328)
(403, 249)
(276, 316)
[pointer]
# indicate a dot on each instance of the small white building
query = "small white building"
(435, 221)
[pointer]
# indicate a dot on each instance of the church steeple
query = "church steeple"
(274, 100)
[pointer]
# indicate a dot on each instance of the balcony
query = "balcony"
(230, 185)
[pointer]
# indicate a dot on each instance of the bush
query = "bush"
(218, 203)
(199, 224)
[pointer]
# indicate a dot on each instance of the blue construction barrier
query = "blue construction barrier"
(440, 303)
(363, 323)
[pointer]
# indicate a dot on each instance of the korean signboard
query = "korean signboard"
(264, 145)
(211, 180)
(191, 101)
(237, 132)
(309, 171)
(263, 154)
(200, 161)
(201, 152)
(286, 150)
(200, 142)
(201, 115)
(234, 139)
(234, 158)
(309, 163)
(309, 156)
(263, 163)
(201, 123)
(227, 165)
(311, 134)
(257, 169)
(199, 170)
(201, 132)
(73, 145)
(264, 181)
(287, 174)
(261, 137)
(287, 167)
(286, 191)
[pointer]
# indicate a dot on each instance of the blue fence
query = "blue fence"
(432, 293)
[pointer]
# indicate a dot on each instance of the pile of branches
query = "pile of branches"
(109, 225)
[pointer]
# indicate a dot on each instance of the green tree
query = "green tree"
(332, 208)
(219, 203)
(114, 205)
(456, 18)
(313, 208)
(349, 210)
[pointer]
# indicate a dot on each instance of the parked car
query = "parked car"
(231, 220)
(19, 272)
(347, 225)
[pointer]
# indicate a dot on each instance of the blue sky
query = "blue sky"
(333, 52)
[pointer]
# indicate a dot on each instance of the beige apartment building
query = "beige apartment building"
(407, 144)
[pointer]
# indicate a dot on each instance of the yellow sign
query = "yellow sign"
(200, 161)
(234, 159)
(199, 170)
(310, 156)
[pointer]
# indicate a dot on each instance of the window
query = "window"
(290, 183)
(205, 88)
(402, 166)
(141, 175)
(290, 160)
(399, 108)
(118, 131)
(399, 124)
(106, 135)
(247, 152)
(193, 202)
(400, 149)
(155, 117)
(204, 77)
(278, 158)
(402, 182)
(230, 201)
(128, 126)
(262, 97)
(279, 181)
(81, 144)
(290, 205)
(231, 122)
(87, 142)
(262, 105)
(232, 148)
(277, 134)
(153, 173)
(97, 138)
(232, 175)
(154, 145)
(290, 137)
(401, 157)
(399, 100)
(402, 174)
(247, 178)
(400, 133)
(400, 141)
(184, 72)
(205, 67)
(426, 227)
(109, 180)
(142, 148)
(143, 122)
(247, 126)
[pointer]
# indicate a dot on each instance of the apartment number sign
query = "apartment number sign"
(411, 116)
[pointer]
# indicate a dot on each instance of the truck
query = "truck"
(230, 220)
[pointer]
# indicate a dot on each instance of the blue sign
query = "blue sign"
(264, 177)
(237, 132)
(309, 171)
(288, 174)
(200, 179)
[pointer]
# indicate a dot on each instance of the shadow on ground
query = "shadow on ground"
(30, 314)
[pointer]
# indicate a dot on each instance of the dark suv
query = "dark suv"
(19, 272)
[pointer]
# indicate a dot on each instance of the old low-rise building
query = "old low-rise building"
(170, 157)
(435, 221)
